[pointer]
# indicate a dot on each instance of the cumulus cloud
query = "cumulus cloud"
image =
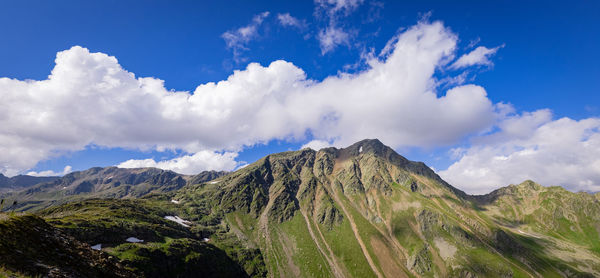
(50, 173)
(480, 56)
(289, 21)
(237, 40)
(90, 99)
(189, 164)
(563, 152)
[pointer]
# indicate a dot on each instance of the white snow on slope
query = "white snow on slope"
(134, 240)
(180, 221)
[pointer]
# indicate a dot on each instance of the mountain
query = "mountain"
(365, 211)
(206, 176)
(21, 181)
(360, 211)
(97, 182)
(566, 225)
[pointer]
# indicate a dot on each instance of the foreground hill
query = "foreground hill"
(133, 238)
(360, 211)
(109, 182)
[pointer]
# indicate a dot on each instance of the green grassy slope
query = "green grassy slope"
(361, 211)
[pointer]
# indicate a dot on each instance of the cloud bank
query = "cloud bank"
(50, 173)
(561, 152)
(89, 98)
(189, 164)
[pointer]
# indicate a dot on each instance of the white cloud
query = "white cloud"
(90, 99)
(316, 145)
(189, 164)
(532, 146)
(330, 38)
(237, 40)
(333, 7)
(287, 20)
(50, 173)
(479, 56)
(332, 35)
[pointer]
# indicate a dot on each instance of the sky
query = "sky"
(486, 94)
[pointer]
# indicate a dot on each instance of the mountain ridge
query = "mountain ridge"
(364, 187)
(361, 211)
(20, 182)
(104, 182)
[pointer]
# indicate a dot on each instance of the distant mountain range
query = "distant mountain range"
(360, 211)
(97, 182)
(21, 182)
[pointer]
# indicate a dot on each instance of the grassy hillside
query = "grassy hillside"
(361, 211)
(61, 238)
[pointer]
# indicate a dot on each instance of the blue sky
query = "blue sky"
(546, 57)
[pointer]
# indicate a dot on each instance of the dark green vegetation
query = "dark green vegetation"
(361, 211)
(60, 238)
(29, 245)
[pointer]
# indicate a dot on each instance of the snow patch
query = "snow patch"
(214, 182)
(133, 240)
(180, 221)
(360, 149)
(97, 247)
(175, 202)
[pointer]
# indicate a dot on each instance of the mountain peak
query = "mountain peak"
(373, 146)
(368, 145)
(529, 184)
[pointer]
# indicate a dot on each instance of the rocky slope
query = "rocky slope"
(563, 225)
(360, 211)
(365, 211)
